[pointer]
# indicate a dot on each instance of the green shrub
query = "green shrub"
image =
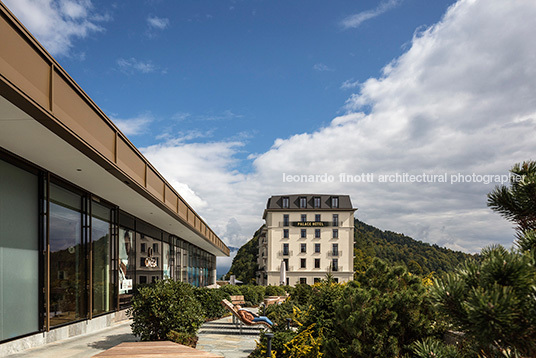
(165, 306)
(232, 290)
(278, 314)
(381, 315)
(186, 339)
(433, 348)
(301, 294)
(252, 294)
(274, 291)
(278, 344)
(210, 299)
(492, 301)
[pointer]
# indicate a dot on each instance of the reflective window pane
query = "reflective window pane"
(68, 279)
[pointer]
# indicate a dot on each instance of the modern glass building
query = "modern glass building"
(84, 217)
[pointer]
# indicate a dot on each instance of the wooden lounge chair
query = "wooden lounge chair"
(231, 308)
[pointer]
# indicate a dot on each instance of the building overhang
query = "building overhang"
(48, 120)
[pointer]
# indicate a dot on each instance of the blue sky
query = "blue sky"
(225, 97)
(258, 70)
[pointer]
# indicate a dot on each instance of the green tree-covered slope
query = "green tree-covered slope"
(394, 248)
(244, 264)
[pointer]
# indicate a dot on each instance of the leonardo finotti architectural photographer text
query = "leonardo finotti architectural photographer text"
(456, 178)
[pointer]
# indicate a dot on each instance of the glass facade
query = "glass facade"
(103, 252)
(19, 252)
(68, 251)
(127, 265)
(67, 256)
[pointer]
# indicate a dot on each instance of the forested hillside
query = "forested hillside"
(370, 242)
(244, 264)
(395, 248)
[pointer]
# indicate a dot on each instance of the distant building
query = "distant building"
(311, 234)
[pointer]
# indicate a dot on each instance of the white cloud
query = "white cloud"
(320, 67)
(159, 23)
(459, 100)
(350, 84)
(57, 23)
(357, 19)
(133, 126)
(132, 65)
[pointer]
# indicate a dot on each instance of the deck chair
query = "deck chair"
(231, 308)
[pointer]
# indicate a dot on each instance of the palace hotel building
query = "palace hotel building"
(84, 217)
(311, 234)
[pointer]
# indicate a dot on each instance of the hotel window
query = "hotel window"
(317, 263)
(335, 265)
(303, 280)
(317, 280)
(286, 264)
(303, 218)
(335, 219)
(285, 203)
(317, 217)
(336, 279)
(285, 220)
(285, 233)
(303, 233)
(285, 249)
(335, 233)
(303, 248)
(302, 263)
(303, 202)
(316, 201)
(335, 202)
(335, 249)
(317, 233)
(317, 248)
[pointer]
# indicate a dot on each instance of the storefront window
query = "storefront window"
(149, 265)
(127, 265)
(103, 278)
(68, 279)
(166, 257)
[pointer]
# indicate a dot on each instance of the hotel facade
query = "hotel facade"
(311, 235)
(84, 217)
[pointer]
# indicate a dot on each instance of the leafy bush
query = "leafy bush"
(232, 290)
(278, 344)
(252, 294)
(378, 316)
(323, 299)
(210, 299)
(301, 294)
(274, 291)
(278, 314)
(186, 339)
(165, 306)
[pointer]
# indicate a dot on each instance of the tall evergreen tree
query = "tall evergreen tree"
(517, 203)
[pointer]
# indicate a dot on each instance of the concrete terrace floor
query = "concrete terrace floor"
(83, 346)
(219, 336)
(223, 337)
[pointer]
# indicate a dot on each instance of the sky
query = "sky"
(415, 108)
